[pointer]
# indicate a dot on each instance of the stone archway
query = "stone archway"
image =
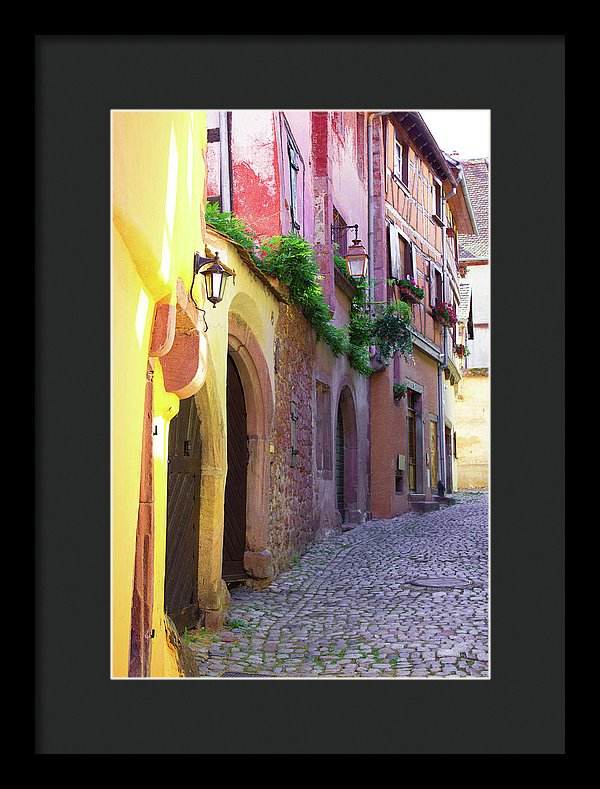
(254, 374)
(211, 402)
(347, 441)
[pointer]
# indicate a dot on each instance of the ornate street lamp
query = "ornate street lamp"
(356, 258)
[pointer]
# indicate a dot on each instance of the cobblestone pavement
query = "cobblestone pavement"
(352, 606)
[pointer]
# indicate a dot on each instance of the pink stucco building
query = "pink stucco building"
(344, 448)
(306, 173)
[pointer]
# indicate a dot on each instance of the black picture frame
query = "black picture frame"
(78, 80)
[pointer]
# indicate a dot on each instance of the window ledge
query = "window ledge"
(437, 220)
(344, 283)
(401, 184)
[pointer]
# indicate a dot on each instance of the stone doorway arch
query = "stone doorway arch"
(253, 371)
(347, 457)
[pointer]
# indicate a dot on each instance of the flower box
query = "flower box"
(399, 391)
(444, 313)
(406, 289)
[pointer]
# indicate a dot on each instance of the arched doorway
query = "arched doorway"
(339, 463)
(234, 533)
(346, 457)
(183, 512)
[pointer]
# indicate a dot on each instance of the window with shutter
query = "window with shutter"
(395, 254)
(436, 198)
(411, 261)
(439, 290)
(400, 160)
(294, 168)
(339, 234)
(432, 284)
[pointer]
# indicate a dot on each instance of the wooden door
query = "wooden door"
(183, 514)
(339, 462)
(234, 533)
(412, 443)
(448, 435)
(433, 454)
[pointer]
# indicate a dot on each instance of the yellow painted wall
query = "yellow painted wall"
(473, 432)
(158, 202)
(158, 198)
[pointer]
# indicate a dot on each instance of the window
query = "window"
(324, 441)
(439, 287)
(294, 168)
(436, 290)
(401, 160)
(436, 198)
(340, 235)
(401, 255)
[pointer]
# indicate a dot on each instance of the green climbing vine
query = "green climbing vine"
(360, 330)
(292, 260)
(233, 227)
(392, 332)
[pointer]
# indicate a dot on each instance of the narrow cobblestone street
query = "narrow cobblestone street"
(406, 597)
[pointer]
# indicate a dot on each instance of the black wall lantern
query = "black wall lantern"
(356, 258)
(215, 277)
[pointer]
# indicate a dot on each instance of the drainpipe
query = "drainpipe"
(370, 198)
(224, 162)
(371, 244)
(444, 361)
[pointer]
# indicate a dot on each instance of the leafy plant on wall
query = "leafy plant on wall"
(360, 330)
(291, 259)
(392, 332)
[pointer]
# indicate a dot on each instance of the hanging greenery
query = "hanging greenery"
(233, 227)
(392, 332)
(292, 260)
(360, 329)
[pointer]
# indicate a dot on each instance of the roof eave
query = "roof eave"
(416, 128)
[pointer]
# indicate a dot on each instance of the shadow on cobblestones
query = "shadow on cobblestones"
(406, 597)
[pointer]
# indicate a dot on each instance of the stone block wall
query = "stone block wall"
(293, 520)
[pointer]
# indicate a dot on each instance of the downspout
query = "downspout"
(224, 162)
(370, 251)
(370, 199)
(444, 360)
